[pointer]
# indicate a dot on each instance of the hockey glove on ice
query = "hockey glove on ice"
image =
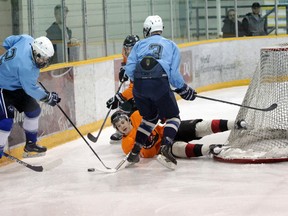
(1, 151)
(52, 99)
(122, 76)
(115, 101)
(133, 156)
(186, 92)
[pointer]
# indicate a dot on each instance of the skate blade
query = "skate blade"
(113, 142)
(33, 154)
(165, 162)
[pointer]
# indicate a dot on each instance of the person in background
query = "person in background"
(19, 71)
(228, 28)
(153, 65)
(54, 33)
(184, 145)
(253, 23)
(124, 100)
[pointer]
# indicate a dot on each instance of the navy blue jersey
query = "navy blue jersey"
(165, 51)
(17, 67)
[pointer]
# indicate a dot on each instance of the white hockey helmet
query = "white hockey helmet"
(152, 24)
(43, 51)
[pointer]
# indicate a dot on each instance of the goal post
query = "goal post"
(265, 140)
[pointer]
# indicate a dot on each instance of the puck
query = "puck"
(91, 170)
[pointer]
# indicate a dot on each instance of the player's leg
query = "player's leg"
(207, 127)
(183, 149)
(32, 112)
(168, 109)
(150, 118)
(6, 118)
(30, 126)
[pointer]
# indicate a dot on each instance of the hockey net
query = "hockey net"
(266, 138)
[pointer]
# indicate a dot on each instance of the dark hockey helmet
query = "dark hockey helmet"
(117, 116)
(130, 40)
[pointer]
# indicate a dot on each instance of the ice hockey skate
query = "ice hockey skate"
(116, 138)
(33, 150)
(241, 124)
(215, 149)
(166, 158)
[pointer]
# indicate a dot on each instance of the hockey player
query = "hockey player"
(19, 72)
(153, 65)
(123, 100)
(182, 147)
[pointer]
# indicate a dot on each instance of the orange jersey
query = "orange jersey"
(155, 138)
(124, 61)
(127, 93)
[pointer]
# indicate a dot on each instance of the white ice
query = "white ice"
(198, 187)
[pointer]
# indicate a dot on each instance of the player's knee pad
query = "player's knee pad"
(6, 124)
(31, 120)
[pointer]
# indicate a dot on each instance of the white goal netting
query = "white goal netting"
(266, 137)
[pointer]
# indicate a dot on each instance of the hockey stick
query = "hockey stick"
(90, 136)
(270, 108)
(64, 113)
(116, 169)
(34, 168)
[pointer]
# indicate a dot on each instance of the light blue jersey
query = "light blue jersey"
(165, 51)
(17, 67)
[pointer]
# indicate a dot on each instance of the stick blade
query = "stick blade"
(272, 107)
(36, 168)
(111, 170)
(92, 137)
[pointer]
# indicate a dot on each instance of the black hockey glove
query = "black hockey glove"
(122, 76)
(52, 98)
(133, 156)
(186, 92)
(115, 101)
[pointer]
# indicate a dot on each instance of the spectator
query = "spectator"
(253, 23)
(54, 33)
(228, 28)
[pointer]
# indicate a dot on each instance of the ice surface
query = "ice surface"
(199, 186)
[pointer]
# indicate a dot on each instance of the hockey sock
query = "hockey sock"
(186, 150)
(31, 124)
(171, 127)
(144, 131)
(205, 128)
